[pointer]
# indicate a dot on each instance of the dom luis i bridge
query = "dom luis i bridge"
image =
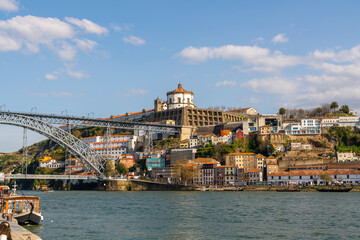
(48, 126)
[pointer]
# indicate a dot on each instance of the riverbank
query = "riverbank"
(144, 185)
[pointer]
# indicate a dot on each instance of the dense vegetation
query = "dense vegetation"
(346, 139)
(252, 143)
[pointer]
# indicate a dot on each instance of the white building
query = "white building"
(48, 162)
(116, 146)
(304, 127)
(329, 122)
(255, 176)
(179, 98)
(346, 156)
(194, 142)
(300, 146)
(348, 121)
(313, 177)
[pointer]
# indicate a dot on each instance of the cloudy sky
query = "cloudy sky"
(111, 57)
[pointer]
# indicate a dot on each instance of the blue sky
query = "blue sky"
(112, 57)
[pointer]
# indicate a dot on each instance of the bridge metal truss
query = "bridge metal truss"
(50, 177)
(95, 122)
(91, 160)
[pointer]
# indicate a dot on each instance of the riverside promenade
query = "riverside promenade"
(20, 233)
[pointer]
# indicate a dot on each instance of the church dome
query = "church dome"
(179, 89)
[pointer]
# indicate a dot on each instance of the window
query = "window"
(179, 100)
(188, 100)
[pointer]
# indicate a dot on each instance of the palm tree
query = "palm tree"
(334, 106)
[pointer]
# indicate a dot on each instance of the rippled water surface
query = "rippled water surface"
(198, 215)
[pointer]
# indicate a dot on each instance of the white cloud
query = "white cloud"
(273, 85)
(66, 52)
(259, 39)
(116, 27)
(8, 44)
(9, 5)
(261, 59)
(331, 74)
(77, 74)
(280, 38)
(52, 76)
(122, 27)
(87, 25)
(30, 33)
(86, 44)
(226, 83)
(135, 92)
(134, 40)
(55, 94)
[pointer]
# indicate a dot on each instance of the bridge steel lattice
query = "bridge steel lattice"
(91, 160)
(95, 122)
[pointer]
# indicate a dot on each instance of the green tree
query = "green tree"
(334, 106)
(109, 168)
(121, 169)
(326, 177)
(318, 111)
(345, 109)
(282, 111)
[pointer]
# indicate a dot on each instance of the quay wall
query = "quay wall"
(138, 185)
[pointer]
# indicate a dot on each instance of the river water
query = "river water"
(198, 215)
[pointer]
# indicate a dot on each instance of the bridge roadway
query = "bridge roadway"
(98, 122)
(4, 176)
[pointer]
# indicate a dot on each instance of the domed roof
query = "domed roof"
(180, 89)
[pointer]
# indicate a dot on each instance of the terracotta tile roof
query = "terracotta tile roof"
(179, 89)
(239, 154)
(204, 160)
(109, 148)
(112, 142)
(255, 170)
(316, 172)
(272, 163)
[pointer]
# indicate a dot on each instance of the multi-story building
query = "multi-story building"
(74, 166)
(346, 157)
(128, 160)
(313, 177)
(260, 161)
(180, 107)
(304, 127)
(116, 146)
(155, 161)
(208, 173)
(272, 167)
(48, 162)
(253, 123)
(329, 122)
(351, 121)
(228, 175)
(247, 161)
(255, 175)
(193, 142)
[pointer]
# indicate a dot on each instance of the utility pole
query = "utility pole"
(24, 152)
(108, 141)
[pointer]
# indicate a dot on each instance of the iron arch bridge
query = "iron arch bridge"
(91, 160)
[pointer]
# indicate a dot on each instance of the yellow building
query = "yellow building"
(247, 161)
